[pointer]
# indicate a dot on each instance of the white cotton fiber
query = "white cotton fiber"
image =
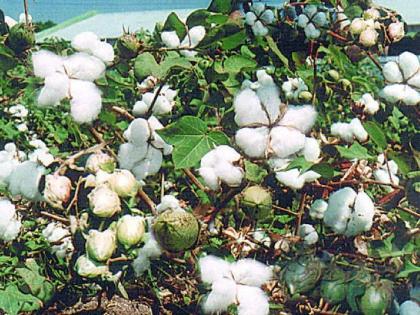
(104, 52)
(311, 150)
(248, 109)
(252, 301)
(251, 272)
(194, 37)
(156, 140)
(349, 131)
(10, 225)
(409, 64)
(170, 39)
(229, 174)
(150, 165)
(415, 81)
(210, 178)
(55, 90)
(392, 72)
(318, 209)
(269, 95)
(227, 153)
(286, 141)
(411, 96)
(253, 141)
(223, 294)
(140, 108)
(138, 132)
(85, 41)
(393, 93)
(294, 179)
(129, 155)
(361, 218)
(24, 181)
(86, 101)
(169, 202)
(213, 268)
(339, 209)
(308, 234)
(46, 63)
(83, 66)
(141, 263)
(301, 118)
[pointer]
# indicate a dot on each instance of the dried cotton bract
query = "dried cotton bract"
(10, 223)
(258, 18)
(403, 78)
(217, 167)
(194, 36)
(235, 283)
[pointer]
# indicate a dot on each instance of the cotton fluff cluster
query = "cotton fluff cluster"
(72, 77)
(150, 250)
(312, 21)
(10, 158)
(10, 223)
(366, 30)
(350, 131)
(386, 172)
(218, 166)
(194, 36)
(258, 18)
(403, 79)
(163, 104)
(19, 114)
(370, 105)
(308, 234)
(235, 283)
(41, 154)
(293, 88)
(349, 213)
(143, 153)
(61, 239)
(317, 209)
(169, 202)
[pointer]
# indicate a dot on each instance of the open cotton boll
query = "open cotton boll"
(358, 130)
(371, 106)
(286, 141)
(361, 218)
(140, 108)
(343, 131)
(83, 66)
(150, 165)
(129, 155)
(248, 109)
(252, 301)
(259, 29)
(86, 101)
(170, 39)
(210, 178)
(311, 32)
(251, 272)
(55, 90)
(311, 150)
(194, 37)
(162, 106)
(104, 52)
(393, 93)
(317, 209)
(24, 181)
(213, 268)
(411, 96)
(409, 307)
(229, 174)
(10, 225)
(46, 63)
(383, 176)
(85, 41)
(299, 117)
(308, 234)
(269, 95)
(223, 294)
(291, 178)
(169, 202)
(253, 141)
(138, 132)
(392, 72)
(55, 233)
(409, 64)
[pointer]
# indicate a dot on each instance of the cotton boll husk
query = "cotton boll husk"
(411, 96)
(210, 178)
(85, 41)
(362, 218)
(269, 95)
(140, 108)
(358, 130)
(56, 89)
(248, 109)
(339, 211)
(318, 209)
(299, 117)
(138, 132)
(311, 151)
(253, 141)
(170, 39)
(229, 174)
(223, 294)
(24, 180)
(46, 63)
(129, 155)
(343, 131)
(291, 178)
(104, 52)
(393, 93)
(252, 301)
(86, 101)
(259, 29)
(392, 72)
(286, 141)
(83, 66)
(415, 81)
(251, 272)
(213, 268)
(250, 18)
(409, 64)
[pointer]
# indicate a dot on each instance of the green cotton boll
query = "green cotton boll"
(176, 230)
(100, 246)
(334, 286)
(128, 46)
(303, 274)
(20, 38)
(130, 230)
(257, 202)
(377, 298)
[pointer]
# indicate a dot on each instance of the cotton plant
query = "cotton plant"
(10, 223)
(293, 89)
(386, 172)
(235, 283)
(349, 213)
(259, 17)
(312, 20)
(218, 166)
(402, 77)
(191, 40)
(163, 104)
(60, 239)
(143, 153)
(72, 77)
(351, 131)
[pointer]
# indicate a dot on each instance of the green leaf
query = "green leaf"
(273, 46)
(324, 169)
(7, 58)
(174, 23)
(146, 65)
(353, 11)
(408, 269)
(254, 172)
(300, 163)
(234, 41)
(403, 161)
(236, 63)
(191, 139)
(356, 151)
(221, 6)
(13, 301)
(376, 134)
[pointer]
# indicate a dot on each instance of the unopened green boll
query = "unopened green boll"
(377, 298)
(257, 202)
(100, 245)
(176, 230)
(99, 161)
(128, 46)
(130, 230)
(303, 274)
(88, 268)
(20, 38)
(334, 286)
(334, 75)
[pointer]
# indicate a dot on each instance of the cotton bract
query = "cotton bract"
(312, 21)
(217, 166)
(235, 283)
(258, 18)
(349, 213)
(403, 79)
(10, 224)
